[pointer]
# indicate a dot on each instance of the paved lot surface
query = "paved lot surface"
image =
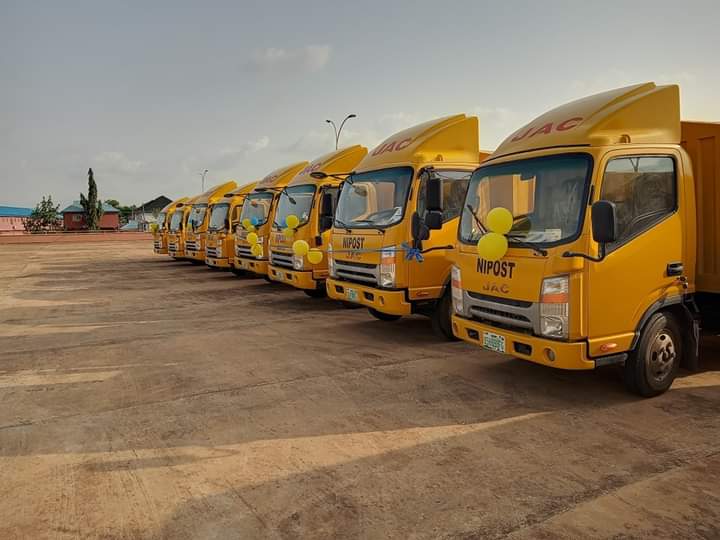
(146, 398)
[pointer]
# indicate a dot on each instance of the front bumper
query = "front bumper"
(219, 263)
(535, 349)
(256, 266)
(390, 302)
(196, 255)
(297, 278)
(160, 251)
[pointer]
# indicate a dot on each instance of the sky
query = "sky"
(151, 93)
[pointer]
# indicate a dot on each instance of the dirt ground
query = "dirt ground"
(146, 398)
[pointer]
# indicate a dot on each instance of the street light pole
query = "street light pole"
(202, 175)
(339, 131)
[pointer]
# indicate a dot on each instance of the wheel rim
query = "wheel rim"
(661, 357)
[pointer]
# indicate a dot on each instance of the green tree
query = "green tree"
(113, 202)
(91, 205)
(44, 217)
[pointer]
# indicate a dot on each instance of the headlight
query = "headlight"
(297, 262)
(554, 300)
(331, 261)
(219, 250)
(387, 267)
(457, 292)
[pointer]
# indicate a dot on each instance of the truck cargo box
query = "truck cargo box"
(702, 142)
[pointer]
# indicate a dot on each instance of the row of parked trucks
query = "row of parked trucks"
(590, 237)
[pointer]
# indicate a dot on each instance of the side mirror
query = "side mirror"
(434, 194)
(604, 222)
(326, 211)
(433, 220)
(420, 230)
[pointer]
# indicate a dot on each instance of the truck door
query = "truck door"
(430, 276)
(643, 266)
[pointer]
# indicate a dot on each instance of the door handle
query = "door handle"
(675, 269)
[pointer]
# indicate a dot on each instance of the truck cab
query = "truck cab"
(597, 263)
(224, 218)
(177, 226)
(388, 244)
(162, 226)
(312, 202)
(197, 225)
(257, 216)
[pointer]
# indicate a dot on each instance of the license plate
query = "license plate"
(494, 342)
(352, 294)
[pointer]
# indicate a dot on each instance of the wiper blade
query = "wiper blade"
(342, 225)
(370, 222)
(473, 213)
(515, 240)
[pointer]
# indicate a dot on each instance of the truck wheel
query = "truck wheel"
(383, 316)
(320, 292)
(350, 305)
(237, 271)
(653, 365)
(441, 318)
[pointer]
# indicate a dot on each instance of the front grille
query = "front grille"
(172, 247)
(191, 245)
(357, 272)
(244, 252)
(281, 259)
(213, 253)
(511, 314)
(158, 244)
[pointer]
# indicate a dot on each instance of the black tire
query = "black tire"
(383, 316)
(441, 318)
(653, 365)
(267, 278)
(350, 305)
(320, 292)
(237, 271)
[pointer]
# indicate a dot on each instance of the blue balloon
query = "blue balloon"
(254, 221)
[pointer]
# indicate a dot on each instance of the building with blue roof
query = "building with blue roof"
(74, 217)
(12, 218)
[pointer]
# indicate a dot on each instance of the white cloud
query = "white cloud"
(226, 160)
(308, 59)
(115, 163)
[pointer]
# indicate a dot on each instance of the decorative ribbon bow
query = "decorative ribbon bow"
(412, 253)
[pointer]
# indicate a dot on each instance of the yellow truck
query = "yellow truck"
(308, 205)
(177, 226)
(197, 224)
(388, 244)
(162, 226)
(591, 237)
(256, 218)
(224, 218)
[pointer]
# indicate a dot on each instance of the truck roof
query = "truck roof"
(338, 161)
(241, 191)
(452, 139)
(215, 192)
(280, 177)
(174, 204)
(641, 114)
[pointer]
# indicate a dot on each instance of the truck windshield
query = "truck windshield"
(300, 205)
(197, 215)
(218, 213)
(176, 220)
(374, 199)
(257, 205)
(161, 220)
(545, 195)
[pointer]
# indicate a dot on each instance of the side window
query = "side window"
(455, 185)
(334, 191)
(644, 191)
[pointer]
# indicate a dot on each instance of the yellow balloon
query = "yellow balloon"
(292, 221)
(247, 224)
(288, 233)
(500, 220)
(314, 256)
(492, 246)
(252, 238)
(300, 247)
(256, 250)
